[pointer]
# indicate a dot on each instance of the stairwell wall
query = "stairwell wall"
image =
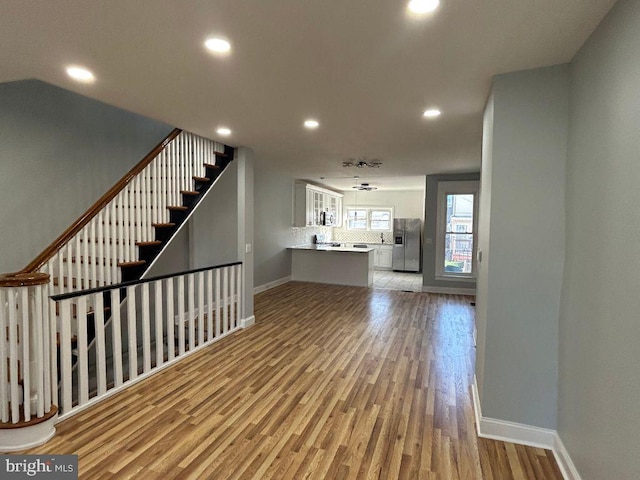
(59, 152)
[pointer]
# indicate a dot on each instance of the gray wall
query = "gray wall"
(59, 152)
(430, 226)
(519, 296)
(599, 418)
(272, 224)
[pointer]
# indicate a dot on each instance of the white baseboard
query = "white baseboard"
(524, 435)
(566, 465)
(270, 285)
(449, 290)
(247, 322)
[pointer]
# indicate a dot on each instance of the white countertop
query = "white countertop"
(327, 248)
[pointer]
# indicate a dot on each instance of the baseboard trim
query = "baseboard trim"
(247, 322)
(523, 435)
(566, 465)
(449, 290)
(270, 285)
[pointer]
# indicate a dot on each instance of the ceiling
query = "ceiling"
(365, 69)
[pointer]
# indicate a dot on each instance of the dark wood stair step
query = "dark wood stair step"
(163, 225)
(211, 165)
(202, 179)
(189, 192)
(177, 208)
(150, 243)
(135, 263)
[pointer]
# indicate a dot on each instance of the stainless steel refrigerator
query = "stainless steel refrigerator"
(406, 244)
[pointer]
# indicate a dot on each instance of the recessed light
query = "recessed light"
(432, 113)
(218, 45)
(223, 131)
(80, 74)
(311, 124)
(423, 6)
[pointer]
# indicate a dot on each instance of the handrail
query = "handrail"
(106, 288)
(86, 217)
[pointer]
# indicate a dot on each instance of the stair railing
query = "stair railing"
(91, 253)
(164, 319)
(27, 350)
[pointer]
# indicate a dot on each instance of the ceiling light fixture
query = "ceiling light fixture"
(311, 124)
(80, 74)
(218, 45)
(362, 163)
(432, 113)
(365, 187)
(223, 131)
(423, 6)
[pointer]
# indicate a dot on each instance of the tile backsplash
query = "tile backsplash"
(349, 236)
(304, 235)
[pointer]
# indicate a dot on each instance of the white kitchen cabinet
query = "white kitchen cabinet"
(384, 257)
(310, 201)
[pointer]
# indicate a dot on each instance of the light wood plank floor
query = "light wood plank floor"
(331, 383)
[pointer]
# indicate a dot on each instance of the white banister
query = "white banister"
(147, 307)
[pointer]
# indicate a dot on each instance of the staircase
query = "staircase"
(115, 242)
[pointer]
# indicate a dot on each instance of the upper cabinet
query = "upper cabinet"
(316, 206)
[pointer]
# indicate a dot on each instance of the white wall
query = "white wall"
(406, 203)
(521, 274)
(599, 418)
(59, 153)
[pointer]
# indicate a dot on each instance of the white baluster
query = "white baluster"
(4, 373)
(77, 261)
(181, 315)
(225, 299)
(170, 319)
(101, 351)
(131, 324)
(138, 212)
(116, 243)
(209, 305)
(101, 246)
(39, 326)
(82, 346)
(84, 256)
(218, 303)
(232, 295)
(144, 207)
(116, 332)
(65, 355)
(201, 311)
(110, 242)
(52, 390)
(25, 339)
(118, 206)
(239, 295)
(126, 225)
(146, 330)
(157, 290)
(191, 316)
(94, 243)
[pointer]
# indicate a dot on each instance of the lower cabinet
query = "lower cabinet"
(383, 258)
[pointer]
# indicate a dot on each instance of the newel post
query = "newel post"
(28, 376)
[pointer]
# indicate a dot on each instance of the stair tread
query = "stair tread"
(189, 192)
(178, 207)
(211, 165)
(135, 263)
(162, 225)
(201, 179)
(149, 243)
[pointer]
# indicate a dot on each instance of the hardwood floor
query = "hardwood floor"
(331, 383)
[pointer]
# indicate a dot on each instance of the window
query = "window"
(374, 219)
(380, 219)
(456, 240)
(356, 219)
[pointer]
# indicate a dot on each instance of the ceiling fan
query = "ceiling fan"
(365, 187)
(362, 163)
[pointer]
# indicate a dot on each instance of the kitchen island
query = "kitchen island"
(343, 265)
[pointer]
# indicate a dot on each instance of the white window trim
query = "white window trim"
(470, 187)
(368, 209)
